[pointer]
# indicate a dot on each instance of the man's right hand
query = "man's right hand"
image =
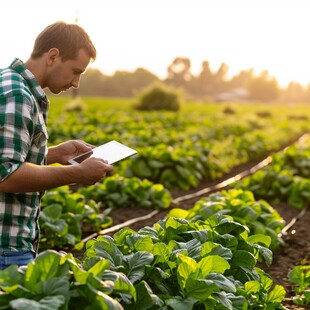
(93, 170)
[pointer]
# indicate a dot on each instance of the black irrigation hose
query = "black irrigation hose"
(205, 191)
(225, 183)
(218, 186)
(292, 222)
(122, 225)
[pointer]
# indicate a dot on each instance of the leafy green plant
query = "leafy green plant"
(65, 214)
(174, 167)
(300, 277)
(175, 264)
(56, 280)
(285, 180)
(116, 191)
(264, 292)
(241, 205)
(211, 142)
(191, 264)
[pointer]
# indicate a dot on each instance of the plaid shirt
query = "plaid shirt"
(23, 138)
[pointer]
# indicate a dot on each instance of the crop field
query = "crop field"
(205, 254)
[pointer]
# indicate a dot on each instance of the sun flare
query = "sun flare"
(244, 34)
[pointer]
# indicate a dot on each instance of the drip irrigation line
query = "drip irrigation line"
(225, 183)
(237, 177)
(122, 225)
(205, 191)
(292, 222)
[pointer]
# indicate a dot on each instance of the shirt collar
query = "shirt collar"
(32, 82)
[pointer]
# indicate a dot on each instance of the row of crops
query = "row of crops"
(179, 150)
(202, 258)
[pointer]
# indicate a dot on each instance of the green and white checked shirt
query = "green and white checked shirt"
(23, 138)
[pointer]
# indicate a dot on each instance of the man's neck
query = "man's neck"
(36, 67)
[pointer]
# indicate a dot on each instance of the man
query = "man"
(60, 55)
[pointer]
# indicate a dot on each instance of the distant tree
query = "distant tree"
(294, 92)
(125, 84)
(209, 83)
(206, 84)
(141, 78)
(92, 82)
(121, 84)
(306, 97)
(179, 72)
(220, 81)
(264, 88)
(242, 79)
(205, 79)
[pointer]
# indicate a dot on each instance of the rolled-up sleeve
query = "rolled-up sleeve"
(16, 129)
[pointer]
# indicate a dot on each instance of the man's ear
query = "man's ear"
(52, 56)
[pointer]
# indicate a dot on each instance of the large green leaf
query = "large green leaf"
(222, 282)
(121, 283)
(97, 299)
(52, 211)
(260, 238)
(233, 228)
(106, 248)
(187, 267)
(46, 303)
(53, 287)
(244, 259)
(179, 303)
(276, 295)
(134, 265)
(211, 248)
(44, 267)
(145, 298)
(59, 226)
(140, 243)
(212, 263)
(201, 289)
(161, 253)
(192, 247)
(10, 276)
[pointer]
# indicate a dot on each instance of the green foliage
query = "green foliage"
(117, 191)
(201, 133)
(285, 180)
(258, 216)
(197, 264)
(56, 280)
(181, 264)
(210, 142)
(300, 277)
(159, 97)
(174, 167)
(65, 214)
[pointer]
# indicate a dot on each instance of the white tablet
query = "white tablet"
(112, 151)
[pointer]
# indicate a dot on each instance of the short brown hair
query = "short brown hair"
(67, 38)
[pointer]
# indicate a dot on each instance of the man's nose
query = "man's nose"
(75, 82)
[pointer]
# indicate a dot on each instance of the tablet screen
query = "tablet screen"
(112, 151)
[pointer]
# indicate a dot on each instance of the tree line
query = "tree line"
(208, 84)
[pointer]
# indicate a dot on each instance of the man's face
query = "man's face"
(67, 74)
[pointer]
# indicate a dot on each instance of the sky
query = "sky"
(268, 35)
